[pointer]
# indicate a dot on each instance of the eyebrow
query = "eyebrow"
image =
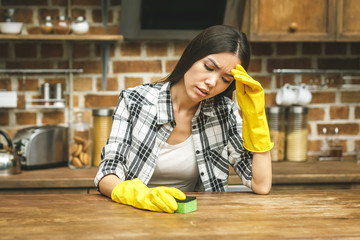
(217, 66)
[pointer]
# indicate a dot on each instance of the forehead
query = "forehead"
(224, 60)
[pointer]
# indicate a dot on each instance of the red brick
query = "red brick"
(137, 66)
(292, 63)
(355, 48)
(262, 49)
(133, 82)
(270, 99)
(286, 48)
(344, 128)
(350, 96)
(323, 97)
(311, 79)
(157, 49)
(24, 2)
(179, 48)
(92, 100)
(311, 48)
(112, 84)
(53, 117)
(314, 145)
(316, 114)
(30, 85)
(111, 50)
(4, 50)
(86, 3)
(357, 112)
(4, 118)
(25, 118)
(31, 64)
(82, 84)
(25, 50)
(81, 50)
(283, 79)
(76, 100)
(130, 49)
(110, 29)
(48, 12)
(156, 79)
(254, 66)
(97, 16)
(5, 83)
(170, 65)
(265, 81)
(338, 63)
(51, 50)
(339, 112)
(335, 48)
(75, 12)
(24, 15)
(89, 66)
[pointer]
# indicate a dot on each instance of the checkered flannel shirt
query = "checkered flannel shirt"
(144, 119)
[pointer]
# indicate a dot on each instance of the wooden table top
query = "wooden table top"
(283, 173)
(309, 214)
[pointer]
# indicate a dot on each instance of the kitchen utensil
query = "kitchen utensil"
(42, 147)
(303, 95)
(11, 27)
(80, 25)
(286, 96)
(46, 93)
(9, 160)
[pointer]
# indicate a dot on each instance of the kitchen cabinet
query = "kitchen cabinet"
(348, 20)
(304, 20)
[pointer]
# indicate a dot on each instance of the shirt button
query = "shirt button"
(197, 151)
(194, 127)
(202, 173)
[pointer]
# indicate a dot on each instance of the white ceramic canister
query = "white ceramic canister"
(80, 25)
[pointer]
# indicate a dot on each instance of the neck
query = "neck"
(181, 101)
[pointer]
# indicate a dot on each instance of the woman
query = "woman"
(182, 134)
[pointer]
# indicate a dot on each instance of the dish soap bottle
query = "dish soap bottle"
(80, 143)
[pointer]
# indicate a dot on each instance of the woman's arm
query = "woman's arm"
(261, 173)
(107, 184)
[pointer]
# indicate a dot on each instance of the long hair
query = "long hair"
(212, 40)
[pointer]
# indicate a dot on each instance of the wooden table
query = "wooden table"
(280, 215)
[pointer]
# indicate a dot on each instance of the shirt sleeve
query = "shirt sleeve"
(240, 158)
(115, 152)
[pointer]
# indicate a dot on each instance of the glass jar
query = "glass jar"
(102, 120)
(276, 120)
(62, 25)
(296, 134)
(46, 25)
(80, 143)
(80, 25)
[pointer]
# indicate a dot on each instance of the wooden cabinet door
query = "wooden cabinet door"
(348, 16)
(292, 20)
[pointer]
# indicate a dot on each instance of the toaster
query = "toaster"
(42, 147)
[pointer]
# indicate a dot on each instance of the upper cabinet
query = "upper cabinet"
(304, 20)
(348, 20)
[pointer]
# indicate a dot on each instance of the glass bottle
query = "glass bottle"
(46, 25)
(296, 134)
(336, 148)
(325, 154)
(80, 143)
(102, 120)
(62, 25)
(276, 120)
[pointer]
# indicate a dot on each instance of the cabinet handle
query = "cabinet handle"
(293, 27)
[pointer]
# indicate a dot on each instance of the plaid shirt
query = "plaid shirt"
(144, 119)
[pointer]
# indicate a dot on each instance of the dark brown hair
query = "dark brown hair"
(212, 40)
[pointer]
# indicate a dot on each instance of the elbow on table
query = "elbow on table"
(262, 189)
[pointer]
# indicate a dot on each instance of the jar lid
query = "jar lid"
(298, 109)
(102, 112)
(275, 109)
(80, 19)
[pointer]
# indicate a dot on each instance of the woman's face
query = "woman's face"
(210, 76)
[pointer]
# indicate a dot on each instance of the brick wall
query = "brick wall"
(134, 63)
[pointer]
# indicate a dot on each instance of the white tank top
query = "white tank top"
(176, 167)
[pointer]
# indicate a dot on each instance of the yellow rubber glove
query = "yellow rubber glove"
(137, 194)
(251, 99)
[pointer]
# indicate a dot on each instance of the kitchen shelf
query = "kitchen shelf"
(70, 37)
(54, 106)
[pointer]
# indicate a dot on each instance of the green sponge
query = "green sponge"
(187, 205)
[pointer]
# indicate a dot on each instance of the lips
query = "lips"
(203, 92)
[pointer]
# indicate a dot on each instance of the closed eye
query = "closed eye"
(208, 68)
(226, 80)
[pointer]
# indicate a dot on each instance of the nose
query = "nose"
(211, 81)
